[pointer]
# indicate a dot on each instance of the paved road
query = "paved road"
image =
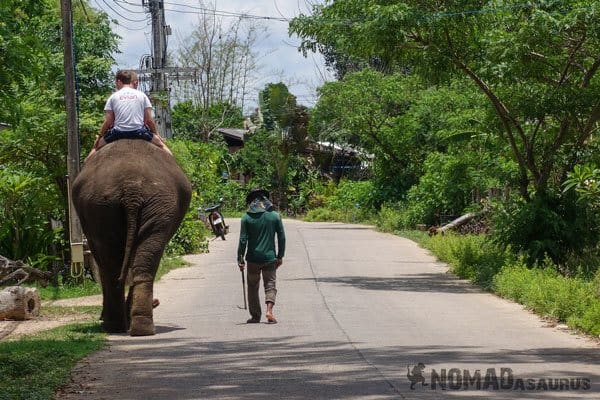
(356, 309)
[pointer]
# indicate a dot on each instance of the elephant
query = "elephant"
(130, 197)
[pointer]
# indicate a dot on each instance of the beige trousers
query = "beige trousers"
(269, 276)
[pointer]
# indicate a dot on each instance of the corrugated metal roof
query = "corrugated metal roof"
(233, 133)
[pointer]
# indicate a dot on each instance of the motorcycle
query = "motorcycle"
(212, 215)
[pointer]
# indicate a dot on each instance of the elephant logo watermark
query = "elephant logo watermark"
(416, 376)
(502, 378)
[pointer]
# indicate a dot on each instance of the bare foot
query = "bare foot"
(270, 318)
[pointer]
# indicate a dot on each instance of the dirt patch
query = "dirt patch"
(79, 301)
(10, 330)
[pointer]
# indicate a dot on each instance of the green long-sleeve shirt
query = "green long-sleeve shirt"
(257, 235)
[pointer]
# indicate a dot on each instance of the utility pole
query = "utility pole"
(159, 94)
(75, 231)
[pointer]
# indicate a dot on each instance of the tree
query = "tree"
(21, 51)
(224, 58)
(535, 62)
(198, 123)
(24, 210)
(399, 121)
(35, 145)
(37, 141)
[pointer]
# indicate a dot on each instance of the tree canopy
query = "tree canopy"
(536, 62)
(33, 148)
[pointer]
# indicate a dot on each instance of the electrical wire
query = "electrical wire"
(124, 26)
(122, 16)
(118, 2)
(349, 21)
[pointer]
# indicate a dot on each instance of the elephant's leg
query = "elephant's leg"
(113, 293)
(145, 264)
(142, 323)
(153, 235)
(114, 317)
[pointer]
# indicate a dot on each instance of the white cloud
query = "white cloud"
(281, 59)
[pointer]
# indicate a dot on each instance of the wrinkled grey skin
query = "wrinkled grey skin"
(131, 197)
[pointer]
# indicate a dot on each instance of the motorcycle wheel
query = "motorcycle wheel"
(219, 232)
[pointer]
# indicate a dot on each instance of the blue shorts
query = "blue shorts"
(114, 134)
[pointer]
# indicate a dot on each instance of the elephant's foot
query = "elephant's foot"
(114, 326)
(141, 326)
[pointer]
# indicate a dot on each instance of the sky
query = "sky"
(281, 60)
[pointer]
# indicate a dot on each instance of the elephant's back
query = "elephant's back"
(126, 169)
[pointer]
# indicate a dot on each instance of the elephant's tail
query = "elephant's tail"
(132, 222)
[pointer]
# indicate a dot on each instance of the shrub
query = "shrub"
(351, 194)
(26, 203)
(389, 219)
(548, 293)
(550, 226)
(324, 214)
(190, 238)
(471, 257)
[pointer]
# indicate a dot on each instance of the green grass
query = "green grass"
(542, 289)
(62, 311)
(70, 290)
(351, 215)
(34, 367)
(89, 288)
(168, 264)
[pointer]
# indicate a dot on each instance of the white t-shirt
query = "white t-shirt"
(128, 105)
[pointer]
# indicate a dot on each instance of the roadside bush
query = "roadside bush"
(471, 257)
(351, 201)
(322, 214)
(596, 284)
(26, 203)
(190, 238)
(547, 226)
(234, 196)
(548, 293)
(354, 198)
(389, 219)
(445, 187)
(541, 288)
(201, 164)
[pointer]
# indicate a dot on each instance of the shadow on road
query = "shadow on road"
(296, 368)
(432, 282)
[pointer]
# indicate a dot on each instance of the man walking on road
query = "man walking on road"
(258, 228)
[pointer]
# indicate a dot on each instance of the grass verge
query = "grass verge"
(34, 367)
(541, 288)
(70, 290)
(90, 288)
(168, 264)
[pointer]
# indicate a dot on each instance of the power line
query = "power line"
(220, 13)
(124, 26)
(125, 18)
(117, 2)
(417, 16)
(198, 10)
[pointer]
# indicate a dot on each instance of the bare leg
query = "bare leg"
(269, 275)
(100, 142)
(158, 141)
(269, 314)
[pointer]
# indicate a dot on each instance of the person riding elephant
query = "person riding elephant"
(130, 198)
